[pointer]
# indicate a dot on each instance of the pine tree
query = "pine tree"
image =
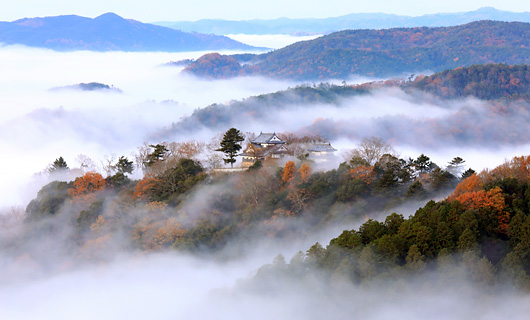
(455, 166)
(124, 165)
(230, 145)
(58, 165)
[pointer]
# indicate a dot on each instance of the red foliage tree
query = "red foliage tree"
(470, 184)
(363, 173)
(86, 187)
(144, 188)
(491, 199)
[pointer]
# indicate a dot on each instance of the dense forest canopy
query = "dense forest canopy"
(480, 233)
(487, 82)
(381, 53)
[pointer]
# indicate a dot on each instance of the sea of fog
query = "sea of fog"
(37, 125)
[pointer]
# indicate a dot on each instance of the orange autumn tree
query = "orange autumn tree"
(471, 194)
(492, 199)
(85, 188)
(155, 206)
(289, 171)
(155, 233)
(144, 188)
(305, 171)
(95, 247)
(168, 232)
(363, 173)
(518, 168)
(470, 184)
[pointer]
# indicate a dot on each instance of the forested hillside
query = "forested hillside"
(503, 89)
(480, 233)
(261, 106)
(487, 82)
(386, 52)
(178, 205)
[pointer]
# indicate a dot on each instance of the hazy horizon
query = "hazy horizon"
(241, 10)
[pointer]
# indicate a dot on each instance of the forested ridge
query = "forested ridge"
(487, 82)
(505, 86)
(179, 205)
(480, 233)
(481, 228)
(222, 115)
(379, 53)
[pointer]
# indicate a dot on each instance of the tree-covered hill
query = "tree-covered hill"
(178, 205)
(90, 86)
(487, 82)
(504, 89)
(479, 234)
(388, 52)
(481, 230)
(261, 106)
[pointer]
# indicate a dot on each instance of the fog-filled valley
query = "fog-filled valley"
(42, 124)
(172, 235)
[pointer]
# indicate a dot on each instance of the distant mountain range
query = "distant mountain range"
(108, 32)
(379, 53)
(350, 21)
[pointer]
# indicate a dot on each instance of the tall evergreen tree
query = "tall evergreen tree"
(159, 153)
(58, 165)
(231, 144)
(455, 166)
(124, 165)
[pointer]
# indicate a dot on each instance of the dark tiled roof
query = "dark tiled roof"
(271, 138)
(277, 149)
(264, 152)
(322, 147)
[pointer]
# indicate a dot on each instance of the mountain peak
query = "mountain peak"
(486, 10)
(109, 16)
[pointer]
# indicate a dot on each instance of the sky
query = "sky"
(170, 10)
